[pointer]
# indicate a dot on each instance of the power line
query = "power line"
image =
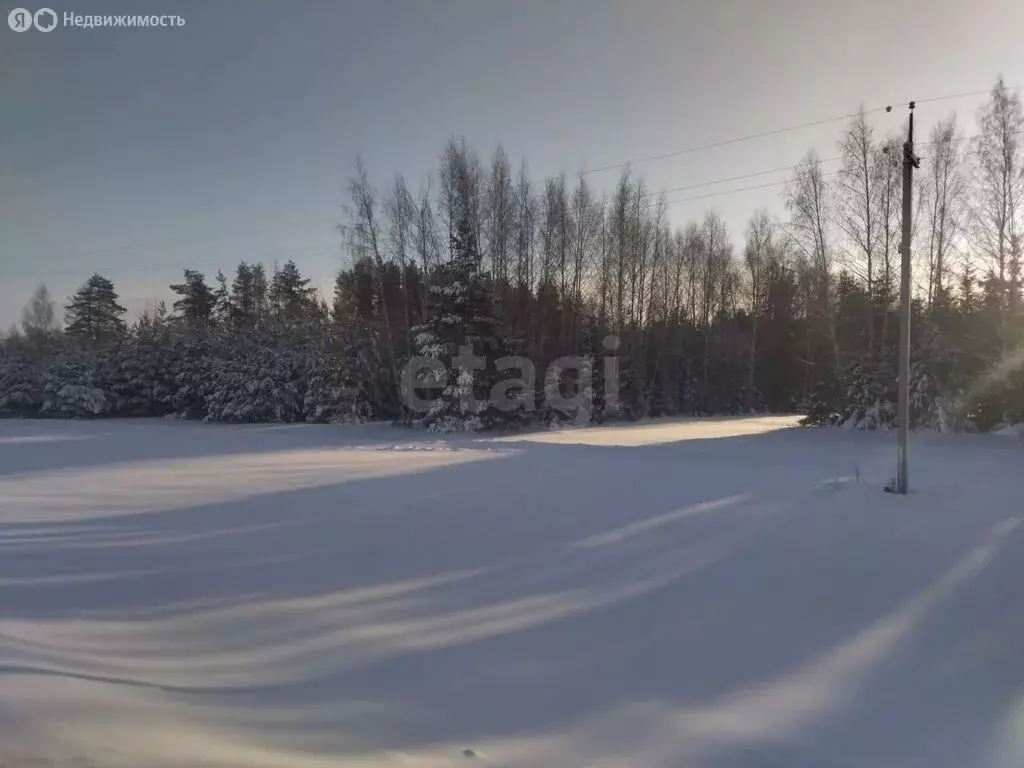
(225, 235)
(737, 178)
(740, 189)
(763, 134)
(951, 97)
(770, 171)
(332, 249)
(726, 142)
(329, 250)
(154, 245)
(283, 254)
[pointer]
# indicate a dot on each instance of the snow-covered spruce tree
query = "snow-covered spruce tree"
(348, 360)
(141, 372)
(22, 376)
(568, 393)
(336, 377)
(72, 389)
(938, 374)
(823, 405)
(868, 394)
(253, 381)
(284, 371)
(264, 371)
(193, 375)
(333, 394)
(460, 314)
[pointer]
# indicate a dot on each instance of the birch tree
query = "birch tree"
(856, 208)
(756, 256)
(943, 209)
(999, 186)
(808, 199)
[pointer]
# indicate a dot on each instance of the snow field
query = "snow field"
(720, 592)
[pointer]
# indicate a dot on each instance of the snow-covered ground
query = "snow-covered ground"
(729, 592)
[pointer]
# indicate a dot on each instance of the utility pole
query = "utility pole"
(910, 162)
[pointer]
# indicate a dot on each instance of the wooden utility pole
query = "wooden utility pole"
(910, 162)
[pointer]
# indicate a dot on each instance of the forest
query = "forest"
(795, 314)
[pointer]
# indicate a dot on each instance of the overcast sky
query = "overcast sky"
(136, 152)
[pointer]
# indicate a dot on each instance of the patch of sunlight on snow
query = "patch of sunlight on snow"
(87, 685)
(78, 539)
(651, 523)
(160, 485)
(652, 733)
(781, 705)
(1006, 749)
(658, 432)
(74, 578)
(285, 641)
(83, 723)
(287, 427)
(22, 439)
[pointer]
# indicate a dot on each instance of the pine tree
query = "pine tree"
(290, 293)
(93, 314)
(221, 306)
(260, 294)
(242, 300)
(693, 338)
(197, 302)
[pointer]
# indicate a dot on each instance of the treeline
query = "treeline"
(800, 317)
